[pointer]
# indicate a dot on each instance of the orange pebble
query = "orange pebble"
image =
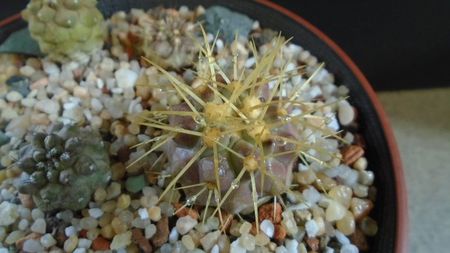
(100, 243)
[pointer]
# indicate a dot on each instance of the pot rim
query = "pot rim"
(401, 242)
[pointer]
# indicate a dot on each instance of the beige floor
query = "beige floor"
(421, 122)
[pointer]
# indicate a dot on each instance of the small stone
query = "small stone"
(349, 248)
(32, 245)
(289, 223)
(135, 184)
(14, 236)
(173, 235)
(311, 228)
(3, 138)
(70, 231)
(8, 213)
(154, 213)
(100, 243)
(267, 227)
(48, 106)
(114, 190)
(141, 241)
(219, 18)
(185, 224)
(150, 231)
(47, 241)
(39, 226)
(163, 232)
(79, 250)
(245, 228)
(13, 96)
(281, 249)
(188, 242)
(80, 92)
(71, 243)
(267, 211)
(88, 223)
(123, 201)
(262, 239)
(19, 84)
(291, 245)
(121, 240)
(95, 213)
(236, 247)
(335, 211)
(23, 224)
(369, 226)
(209, 240)
(248, 242)
(125, 78)
(346, 114)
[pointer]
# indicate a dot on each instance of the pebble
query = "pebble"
(311, 228)
(173, 235)
(291, 245)
(125, 78)
(349, 248)
(14, 236)
(8, 213)
(48, 106)
(346, 114)
(236, 247)
(13, 96)
(335, 211)
(248, 242)
(95, 213)
(281, 249)
(70, 231)
(150, 231)
(121, 240)
(4, 139)
(188, 242)
(19, 84)
(84, 243)
(32, 245)
(71, 243)
(209, 240)
(39, 226)
(135, 184)
(154, 213)
(267, 227)
(47, 241)
(185, 224)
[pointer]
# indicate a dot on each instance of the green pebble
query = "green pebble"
(135, 184)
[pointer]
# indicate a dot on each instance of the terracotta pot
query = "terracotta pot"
(390, 209)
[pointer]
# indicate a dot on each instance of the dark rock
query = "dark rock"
(227, 22)
(3, 138)
(20, 84)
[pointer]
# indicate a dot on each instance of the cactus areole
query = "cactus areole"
(62, 168)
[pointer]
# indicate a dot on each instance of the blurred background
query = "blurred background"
(403, 48)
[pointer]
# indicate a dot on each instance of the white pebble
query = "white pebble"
(48, 106)
(13, 96)
(342, 239)
(281, 249)
(32, 245)
(346, 114)
(39, 226)
(311, 228)
(349, 248)
(27, 70)
(291, 245)
(79, 250)
(150, 231)
(8, 213)
(47, 241)
(185, 224)
(95, 212)
(121, 240)
(23, 224)
(215, 249)
(70, 231)
(268, 228)
(143, 213)
(236, 247)
(311, 195)
(125, 78)
(173, 235)
(84, 243)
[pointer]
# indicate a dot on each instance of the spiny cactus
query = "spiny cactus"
(63, 167)
(236, 137)
(66, 29)
(162, 35)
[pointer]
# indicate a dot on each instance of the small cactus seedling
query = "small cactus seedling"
(236, 137)
(66, 29)
(63, 167)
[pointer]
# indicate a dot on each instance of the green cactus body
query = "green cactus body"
(233, 143)
(66, 29)
(64, 167)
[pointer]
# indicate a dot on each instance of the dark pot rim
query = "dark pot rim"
(401, 242)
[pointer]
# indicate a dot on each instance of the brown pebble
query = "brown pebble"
(313, 243)
(162, 234)
(280, 233)
(185, 211)
(359, 240)
(266, 212)
(351, 153)
(26, 200)
(140, 240)
(21, 241)
(100, 243)
(124, 154)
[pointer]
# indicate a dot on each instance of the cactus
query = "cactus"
(63, 167)
(163, 35)
(238, 138)
(66, 29)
